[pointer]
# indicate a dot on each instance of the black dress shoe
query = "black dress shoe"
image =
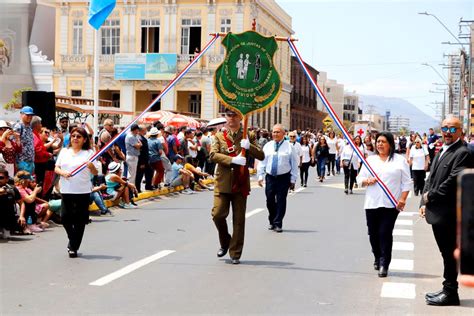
(383, 272)
(235, 261)
(270, 227)
(376, 266)
(72, 253)
(444, 299)
(278, 229)
(346, 191)
(433, 294)
(221, 252)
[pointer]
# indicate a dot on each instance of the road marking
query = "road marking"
(402, 232)
(255, 211)
(130, 268)
(404, 222)
(399, 245)
(407, 213)
(398, 290)
(401, 264)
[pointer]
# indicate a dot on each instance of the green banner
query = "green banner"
(247, 81)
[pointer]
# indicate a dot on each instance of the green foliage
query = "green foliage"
(15, 101)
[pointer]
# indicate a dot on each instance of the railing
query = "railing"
(74, 58)
(80, 101)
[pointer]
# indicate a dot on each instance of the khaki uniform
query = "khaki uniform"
(223, 195)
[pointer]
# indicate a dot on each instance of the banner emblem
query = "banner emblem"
(247, 80)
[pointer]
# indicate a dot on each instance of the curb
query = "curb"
(144, 195)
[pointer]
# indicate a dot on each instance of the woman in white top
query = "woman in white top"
(75, 190)
(419, 158)
(305, 160)
(350, 162)
(393, 170)
(332, 145)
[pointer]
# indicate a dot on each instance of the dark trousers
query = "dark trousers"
(418, 180)
(40, 171)
(74, 217)
(331, 163)
(209, 167)
(445, 236)
(350, 175)
(142, 170)
(276, 191)
(304, 172)
(380, 222)
(220, 211)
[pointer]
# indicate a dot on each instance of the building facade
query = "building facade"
(351, 107)
(304, 100)
(398, 122)
(375, 122)
(334, 93)
(179, 27)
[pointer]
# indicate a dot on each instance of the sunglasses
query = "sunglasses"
(3, 177)
(451, 129)
(292, 136)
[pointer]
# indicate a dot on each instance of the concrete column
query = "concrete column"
(88, 87)
(173, 27)
(208, 99)
(64, 28)
(168, 101)
(62, 89)
(127, 100)
(239, 19)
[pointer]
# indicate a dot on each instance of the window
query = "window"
(269, 127)
(150, 36)
(328, 90)
(190, 36)
(221, 108)
(195, 103)
(225, 28)
(110, 37)
(275, 116)
(76, 93)
(77, 37)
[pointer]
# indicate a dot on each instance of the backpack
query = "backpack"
(402, 143)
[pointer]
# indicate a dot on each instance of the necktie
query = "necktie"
(274, 171)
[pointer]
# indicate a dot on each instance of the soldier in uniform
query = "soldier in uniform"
(232, 183)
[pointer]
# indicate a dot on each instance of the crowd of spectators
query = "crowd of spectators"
(145, 157)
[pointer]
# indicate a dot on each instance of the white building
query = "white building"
(398, 122)
(334, 93)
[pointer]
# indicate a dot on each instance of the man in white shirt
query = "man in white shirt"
(280, 169)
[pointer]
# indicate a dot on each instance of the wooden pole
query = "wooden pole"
(278, 38)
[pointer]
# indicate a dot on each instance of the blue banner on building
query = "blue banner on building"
(145, 66)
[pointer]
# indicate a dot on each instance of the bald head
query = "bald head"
(447, 128)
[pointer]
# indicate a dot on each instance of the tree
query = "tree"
(15, 101)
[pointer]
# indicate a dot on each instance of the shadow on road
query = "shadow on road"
(264, 263)
(98, 257)
(299, 231)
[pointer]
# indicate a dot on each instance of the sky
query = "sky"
(377, 47)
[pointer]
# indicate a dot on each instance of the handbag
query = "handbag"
(347, 162)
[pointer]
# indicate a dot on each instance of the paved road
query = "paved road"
(161, 259)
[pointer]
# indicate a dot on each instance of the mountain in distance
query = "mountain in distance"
(419, 120)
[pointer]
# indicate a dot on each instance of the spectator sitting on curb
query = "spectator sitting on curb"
(181, 176)
(198, 175)
(118, 187)
(99, 186)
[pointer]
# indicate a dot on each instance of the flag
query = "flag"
(247, 80)
(99, 10)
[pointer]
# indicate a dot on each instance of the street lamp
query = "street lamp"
(443, 104)
(445, 27)
(450, 94)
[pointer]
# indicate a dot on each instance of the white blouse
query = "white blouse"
(69, 161)
(419, 156)
(306, 154)
(395, 173)
(332, 144)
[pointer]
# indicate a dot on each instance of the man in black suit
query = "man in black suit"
(438, 204)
